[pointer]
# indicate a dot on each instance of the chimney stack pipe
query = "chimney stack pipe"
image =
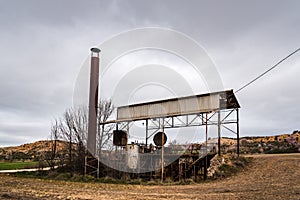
(93, 100)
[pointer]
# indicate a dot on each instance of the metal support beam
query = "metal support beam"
(219, 133)
(231, 111)
(238, 131)
(206, 138)
(146, 132)
(162, 150)
(128, 129)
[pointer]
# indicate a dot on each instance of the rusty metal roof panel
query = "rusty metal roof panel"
(201, 103)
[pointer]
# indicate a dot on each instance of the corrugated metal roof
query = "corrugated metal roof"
(195, 104)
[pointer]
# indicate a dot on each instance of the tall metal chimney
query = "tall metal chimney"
(93, 101)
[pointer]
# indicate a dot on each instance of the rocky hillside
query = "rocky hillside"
(285, 143)
(29, 151)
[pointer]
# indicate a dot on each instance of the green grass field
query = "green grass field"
(17, 165)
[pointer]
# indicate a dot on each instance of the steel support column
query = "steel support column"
(206, 138)
(162, 149)
(219, 132)
(238, 131)
(146, 132)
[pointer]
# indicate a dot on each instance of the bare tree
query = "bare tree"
(66, 128)
(73, 126)
(105, 110)
(80, 127)
(52, 154)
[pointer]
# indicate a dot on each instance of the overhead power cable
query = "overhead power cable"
(273, 67)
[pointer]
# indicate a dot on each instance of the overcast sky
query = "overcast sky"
(43, 45)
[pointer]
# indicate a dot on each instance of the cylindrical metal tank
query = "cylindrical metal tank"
(119, 138)
(132, 156)
(157, 139)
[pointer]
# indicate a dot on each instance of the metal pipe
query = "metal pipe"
(146, 133)
(238, 131)
(162, 150)
(206, 152)
(93, 100)
(219, 133)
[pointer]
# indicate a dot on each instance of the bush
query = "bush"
(232, 166)
(228, 169)
(287, 150)
(63, 176)
(52, 174)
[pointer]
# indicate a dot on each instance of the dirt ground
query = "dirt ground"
(268, 177)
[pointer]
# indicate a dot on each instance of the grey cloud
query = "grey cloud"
(44, 43)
